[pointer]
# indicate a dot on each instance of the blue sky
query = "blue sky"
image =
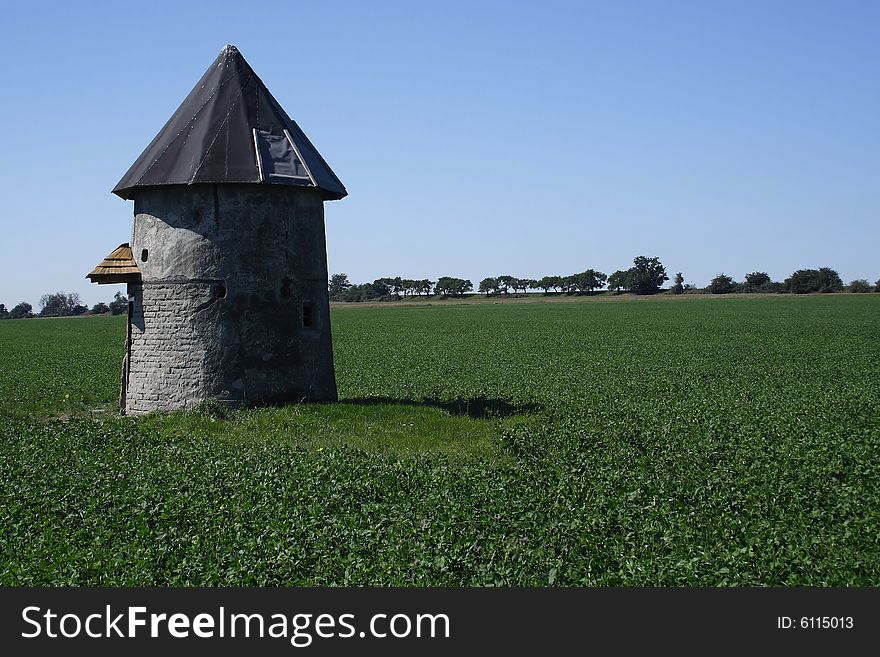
(475, 138)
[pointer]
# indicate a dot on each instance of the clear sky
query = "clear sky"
(475, 138)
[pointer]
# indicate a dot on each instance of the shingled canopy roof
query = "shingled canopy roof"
(230, 129)
(118, 267)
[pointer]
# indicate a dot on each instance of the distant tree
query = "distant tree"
(79, 309)
(21, 311)
(449, 286)
(547, 283)
(594, 279)
(488, 286)
(339, 284)
(722, 284)
(646, 275)
(619, 280)
(100, 308)
(443, 286)
(521, 284)
(757, 281)
(119, 304)
(877, 286)
(381, 287)
(568, 284)
(53, 305)
(58, 304)
(4, 314)
(586, 281)
(391, 285)
(375, 291)
(860, 285)
(830, 280)
(504, 283)
(678, 284)
(804, 281)
(412, 287)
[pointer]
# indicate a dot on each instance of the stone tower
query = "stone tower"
(227, 265)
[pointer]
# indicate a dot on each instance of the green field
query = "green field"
(663, 441)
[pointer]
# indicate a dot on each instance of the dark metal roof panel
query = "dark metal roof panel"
(212, 137)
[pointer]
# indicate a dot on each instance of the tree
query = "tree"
(830, 280)
(521, 284)
(586, 281)
(413, 287)
(4, 314)
(378, 290)
(119, 304)
(392, 285)
(21, 311)
(646, 275)
(722, 284)
(58, 304)
(382, 286)
(592, 279)
(757, 281)
(804, 281)
(444, 286)
(339, 284)
(860, 285)
(678, 284)
(547, 283)
(877, 286)
(100, 308)
(448, 286)
(79, 309)
(619, 280)
(488, 286)
(504, 283)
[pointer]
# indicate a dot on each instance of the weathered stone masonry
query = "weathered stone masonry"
(167, 352)
(230, 275)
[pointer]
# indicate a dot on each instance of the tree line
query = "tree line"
(802, 281)
(388, 289)
(61, 304)
(646, 276)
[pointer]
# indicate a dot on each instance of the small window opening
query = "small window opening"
(285, 288)
(308, 315)
(219, 291)
(144, 255)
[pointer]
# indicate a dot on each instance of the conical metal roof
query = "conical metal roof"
(230, 129)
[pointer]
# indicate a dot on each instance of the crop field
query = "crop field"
(661, 441)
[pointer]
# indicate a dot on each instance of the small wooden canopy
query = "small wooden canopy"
(118, 267)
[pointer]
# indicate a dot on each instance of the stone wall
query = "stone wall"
(227, 271)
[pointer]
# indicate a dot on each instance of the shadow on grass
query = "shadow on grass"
(478, 408)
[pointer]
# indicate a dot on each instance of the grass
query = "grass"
(642, 442)
(60, 366)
